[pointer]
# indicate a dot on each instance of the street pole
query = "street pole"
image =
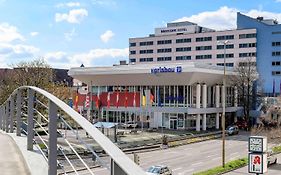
(223, 106)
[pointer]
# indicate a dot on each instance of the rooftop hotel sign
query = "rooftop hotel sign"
(177, 69)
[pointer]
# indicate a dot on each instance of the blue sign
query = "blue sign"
(164, 69)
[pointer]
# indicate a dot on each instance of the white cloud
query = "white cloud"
(225, 17)
(104, 2)
(69, 4)
(277, 0)
(9, 33)
(94, 57)
(34, 33)
(69, 35)
(74, 16)
(106, 36)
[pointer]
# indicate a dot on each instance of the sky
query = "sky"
(68, 33)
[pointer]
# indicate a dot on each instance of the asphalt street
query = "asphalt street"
(188, 159)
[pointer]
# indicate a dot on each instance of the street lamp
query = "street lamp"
(223, 102)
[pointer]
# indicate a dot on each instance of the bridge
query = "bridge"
(32, 143)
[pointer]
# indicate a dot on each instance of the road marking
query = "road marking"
(212, 155)
(234, 153)
(179, 168)
(195, 164)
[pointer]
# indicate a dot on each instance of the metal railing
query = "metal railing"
(25, 113)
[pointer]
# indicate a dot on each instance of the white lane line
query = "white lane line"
(234, 153)
(213, 155)
(196, 164)
(179, 168)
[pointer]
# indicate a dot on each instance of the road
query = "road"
(195, 157)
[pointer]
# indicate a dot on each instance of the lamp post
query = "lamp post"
(223, 102)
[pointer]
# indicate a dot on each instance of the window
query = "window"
(249, 35)
(132, 52)
(132, 44)
(183, 49)
(199, 57)
(203, 39)
(146, 51)
(226, 64)
(247, 63)
(276, 63)
(146, 43)
(204, 48)
(146, 59)
(246, 45)
(164, 58)
(225, 37)
(183, 57)
(183, 40)
(278, 53)
(229, 55)
(276, 43)
(164, 50)
(228, 46)
(250, 54)
(132, 60)
(164, 42)
(276, 73)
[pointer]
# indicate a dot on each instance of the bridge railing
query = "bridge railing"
(26, 111)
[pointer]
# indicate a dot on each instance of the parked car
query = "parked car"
(241, 124)
(130, 125)
(231, 130)
(271, 159)
(159, 170)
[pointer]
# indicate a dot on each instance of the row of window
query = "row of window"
(276, 43)
(226, 64)
(199, 39)
(198, 57)
(277, 53)
(276, 63)
(276, 73)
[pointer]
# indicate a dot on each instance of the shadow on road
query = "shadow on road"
(275, 167)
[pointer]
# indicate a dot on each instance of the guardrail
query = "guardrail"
(26, 112)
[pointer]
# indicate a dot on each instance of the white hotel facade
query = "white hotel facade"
(179, 66)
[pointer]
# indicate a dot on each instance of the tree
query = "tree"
(31, 73)
(247, 82)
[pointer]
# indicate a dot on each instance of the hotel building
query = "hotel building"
(174, 76)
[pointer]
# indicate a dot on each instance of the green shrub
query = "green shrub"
(228, 166)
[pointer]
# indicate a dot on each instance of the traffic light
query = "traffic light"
(136, 159)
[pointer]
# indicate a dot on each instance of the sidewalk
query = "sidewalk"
(11, 159)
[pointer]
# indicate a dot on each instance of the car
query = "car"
(231, 130)
(130, 125)
(271, 159)
(159, 170)
(242, 124)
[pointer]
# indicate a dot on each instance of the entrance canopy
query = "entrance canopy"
(152, 74)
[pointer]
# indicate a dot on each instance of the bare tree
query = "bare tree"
(247, 82)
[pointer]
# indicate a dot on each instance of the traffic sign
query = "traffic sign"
(257, 163)
(257, 144)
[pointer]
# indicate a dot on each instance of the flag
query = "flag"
(151, 96)
(87, 101)
(126, 98)
(98, 102)
(143, 98)
(117, 99)
(134, 102)
(108, 100)
(76, 100)
(273, 88)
